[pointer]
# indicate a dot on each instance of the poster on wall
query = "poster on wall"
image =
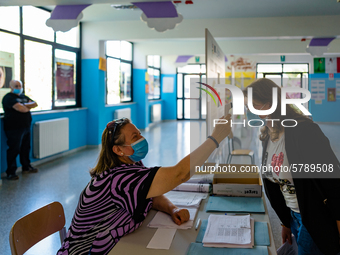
(331, 95)
(6, 73)
(331, 65)
(65, 79)
(318, 90)
(6, 68)
(337, 89)
(319, 65)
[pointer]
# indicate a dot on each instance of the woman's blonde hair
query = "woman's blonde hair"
(263, 93)
(107, 158)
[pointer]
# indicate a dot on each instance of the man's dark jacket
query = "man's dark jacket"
(318, 197)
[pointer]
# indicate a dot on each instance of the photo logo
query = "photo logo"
(239, 109)
(213, 90)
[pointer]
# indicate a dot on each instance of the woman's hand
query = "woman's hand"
(180, 216)
(222, 130)
(286, 235)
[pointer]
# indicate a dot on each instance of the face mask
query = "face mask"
(140, 148)
(256, 120)
(254, 117)
(17, 91)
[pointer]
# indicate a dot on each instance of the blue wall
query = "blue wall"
(86, 125)
(77, 132)
(169, 107)
(326, 111)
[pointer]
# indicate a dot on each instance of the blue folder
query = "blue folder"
(198, 249)
(235, 204)
(261, 233)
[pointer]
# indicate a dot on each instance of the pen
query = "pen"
(197, 224)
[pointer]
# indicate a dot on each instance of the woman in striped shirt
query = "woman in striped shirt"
(122, 190)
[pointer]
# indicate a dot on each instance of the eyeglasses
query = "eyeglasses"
(112, 126)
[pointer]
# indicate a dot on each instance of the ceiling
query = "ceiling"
(101, 10)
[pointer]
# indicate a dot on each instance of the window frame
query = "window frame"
(160, 74)
(282, 72)
(121, 61)
(183, 96)
(55, 45)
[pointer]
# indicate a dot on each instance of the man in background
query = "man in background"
(17, 126)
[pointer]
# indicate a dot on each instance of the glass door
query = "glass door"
(191, 104)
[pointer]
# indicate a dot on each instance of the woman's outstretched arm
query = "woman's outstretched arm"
(168, 178)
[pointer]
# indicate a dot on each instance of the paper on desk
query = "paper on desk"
(162, 239)
(201, 178)
(180, 198)
(228, 229)
(196, 187)
(229, 245)
(163, 220)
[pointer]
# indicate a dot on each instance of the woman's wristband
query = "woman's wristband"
(212, 138)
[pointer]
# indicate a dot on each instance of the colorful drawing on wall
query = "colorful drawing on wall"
(319, 65)
(241, 64)
(331, 96)
(331, 65)
(65, 79)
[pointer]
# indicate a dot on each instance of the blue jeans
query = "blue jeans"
(304, 241)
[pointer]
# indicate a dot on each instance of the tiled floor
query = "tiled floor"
(63, 179)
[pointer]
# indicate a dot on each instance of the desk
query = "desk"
(136, 242)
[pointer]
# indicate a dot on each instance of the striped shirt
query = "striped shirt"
(111, 206)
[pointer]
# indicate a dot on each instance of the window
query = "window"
(38, 72)
(191, 104)
(119, 72)
(10, 18)
(285, 75)
(45, 61)
(154, 74)
(34, 23)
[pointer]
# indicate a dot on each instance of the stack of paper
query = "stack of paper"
(186, 199)
(163, 220)
(229, 231)
(197, 187)
(201, 178)
(197, 183)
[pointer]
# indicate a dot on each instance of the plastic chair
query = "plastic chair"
(37, 225)
(237, 153)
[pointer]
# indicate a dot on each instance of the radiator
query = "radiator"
(156, 113)
(122, 113)
(50, 137)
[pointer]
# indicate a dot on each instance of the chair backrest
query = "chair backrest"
(35, 226)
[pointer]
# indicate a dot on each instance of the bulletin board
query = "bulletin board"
(325, 97)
